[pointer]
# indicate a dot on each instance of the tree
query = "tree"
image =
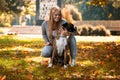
(98, 9)
(16, 7)
(110, 8)
(115, 3)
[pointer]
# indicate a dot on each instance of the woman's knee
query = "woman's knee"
(72, 41)
(72, 46)
(46, 51)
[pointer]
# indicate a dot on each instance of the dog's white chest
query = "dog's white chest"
(61, 44)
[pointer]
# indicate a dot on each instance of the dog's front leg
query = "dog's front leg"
(52, 58)
(65, 59)
(53, 55)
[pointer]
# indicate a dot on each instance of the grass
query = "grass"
(20, 60)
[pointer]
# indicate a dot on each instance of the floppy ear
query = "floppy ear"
(65, 25)
(72, 28)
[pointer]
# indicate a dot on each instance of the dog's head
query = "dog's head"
(69, 26)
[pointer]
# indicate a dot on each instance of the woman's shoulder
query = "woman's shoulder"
(64, 21)
(45, 22)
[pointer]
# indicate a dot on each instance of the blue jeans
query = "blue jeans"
(47, 50)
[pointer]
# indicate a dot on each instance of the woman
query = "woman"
(49, 28)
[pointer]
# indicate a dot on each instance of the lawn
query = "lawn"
(20, 59)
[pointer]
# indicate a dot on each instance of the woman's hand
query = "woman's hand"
(47, 43)
(63, 31)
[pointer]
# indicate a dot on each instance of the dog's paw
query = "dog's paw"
(50, 65)
(65, 66)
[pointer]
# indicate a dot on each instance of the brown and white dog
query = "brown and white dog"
(60, 46)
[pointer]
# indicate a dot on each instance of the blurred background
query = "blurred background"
(98, 39)
(88, 14)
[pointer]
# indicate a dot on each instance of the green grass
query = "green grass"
(95, 60)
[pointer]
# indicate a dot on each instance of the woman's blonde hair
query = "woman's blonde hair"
(71, 13)
(53, 24)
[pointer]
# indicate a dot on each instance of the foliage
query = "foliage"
(89, 30)
(99, 12)
(116, 3)
(97, 9)
(9, 8)
(95, 61)
(15, 6)
(102, 3)
(98, 2)
(5, 19)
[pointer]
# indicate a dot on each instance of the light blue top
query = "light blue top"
(47, 50)
(45, 31)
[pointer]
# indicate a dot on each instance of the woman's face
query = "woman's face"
(56, 16)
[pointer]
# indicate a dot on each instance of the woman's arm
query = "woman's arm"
(44, 32)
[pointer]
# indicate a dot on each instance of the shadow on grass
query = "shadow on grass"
(95, 61)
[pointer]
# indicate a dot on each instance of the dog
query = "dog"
(60, 47)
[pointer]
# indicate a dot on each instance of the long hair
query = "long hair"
(53, 24)
(71, 13)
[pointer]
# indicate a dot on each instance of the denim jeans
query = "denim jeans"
(47, 50)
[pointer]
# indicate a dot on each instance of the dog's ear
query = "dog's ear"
(72, 28)
(65, 25)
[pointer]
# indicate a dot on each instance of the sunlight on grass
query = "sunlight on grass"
(87, 63)
(8, 62)
(34, 59)
(86, 47)
(118, 40)
(1, 31)
(14, 44)
(20, 57)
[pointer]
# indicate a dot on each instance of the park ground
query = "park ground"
(97, 59)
